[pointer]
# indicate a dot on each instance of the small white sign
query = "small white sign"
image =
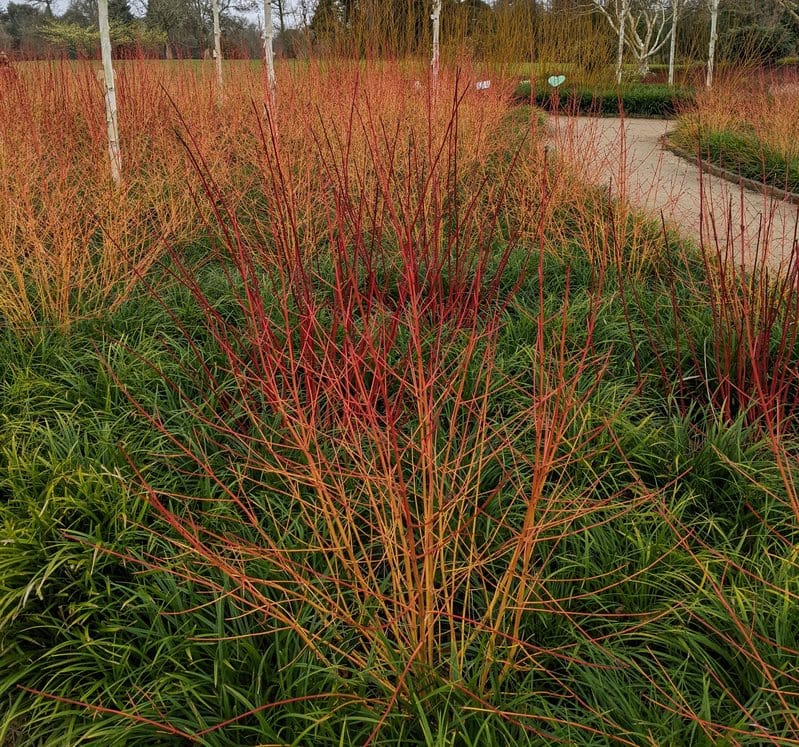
(482, 85)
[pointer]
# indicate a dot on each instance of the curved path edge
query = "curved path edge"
(711, 168)
(720, 210)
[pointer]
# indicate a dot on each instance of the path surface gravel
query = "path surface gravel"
(626, 156)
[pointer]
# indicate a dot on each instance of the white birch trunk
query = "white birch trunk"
(269, 55)
(436, 60)
(620, 52)
(217, 45)
(114, 153)
(675, 9)
(714, 35)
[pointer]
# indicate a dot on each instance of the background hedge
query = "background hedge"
(638, 100)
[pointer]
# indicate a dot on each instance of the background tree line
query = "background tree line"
(573, 31)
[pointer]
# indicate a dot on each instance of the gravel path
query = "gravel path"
(701, 206)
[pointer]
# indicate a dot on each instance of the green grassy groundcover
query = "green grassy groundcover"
(83, 624)
(744, 154)
(639, 100)
(656, 599)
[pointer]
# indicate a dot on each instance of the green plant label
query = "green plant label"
(556, 80)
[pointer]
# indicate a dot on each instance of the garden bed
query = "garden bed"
(743, 157)
(407, 438)
(640, 100)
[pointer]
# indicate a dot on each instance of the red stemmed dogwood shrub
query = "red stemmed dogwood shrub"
(377, 486)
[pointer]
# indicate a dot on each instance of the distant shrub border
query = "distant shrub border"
(638, 100)
(742, 158)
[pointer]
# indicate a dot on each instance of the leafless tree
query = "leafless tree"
(269, 55)
(713, 6)
(280, 7)
(436, 18)
(217, 46)
(640, 25)
(676, 9)
(46, 5)
(114, 151)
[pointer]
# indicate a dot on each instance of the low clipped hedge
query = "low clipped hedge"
(663, 67)
(639, 100)
(744, 154)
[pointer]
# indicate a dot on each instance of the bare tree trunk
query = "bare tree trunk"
(435, 62)
(714, 35)
(675, 10)
(620, 53)
(269, 55)
(217, 45)
(281, 16)
(114, 153)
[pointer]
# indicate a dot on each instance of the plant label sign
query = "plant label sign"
(482, 85)
(556, 80)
